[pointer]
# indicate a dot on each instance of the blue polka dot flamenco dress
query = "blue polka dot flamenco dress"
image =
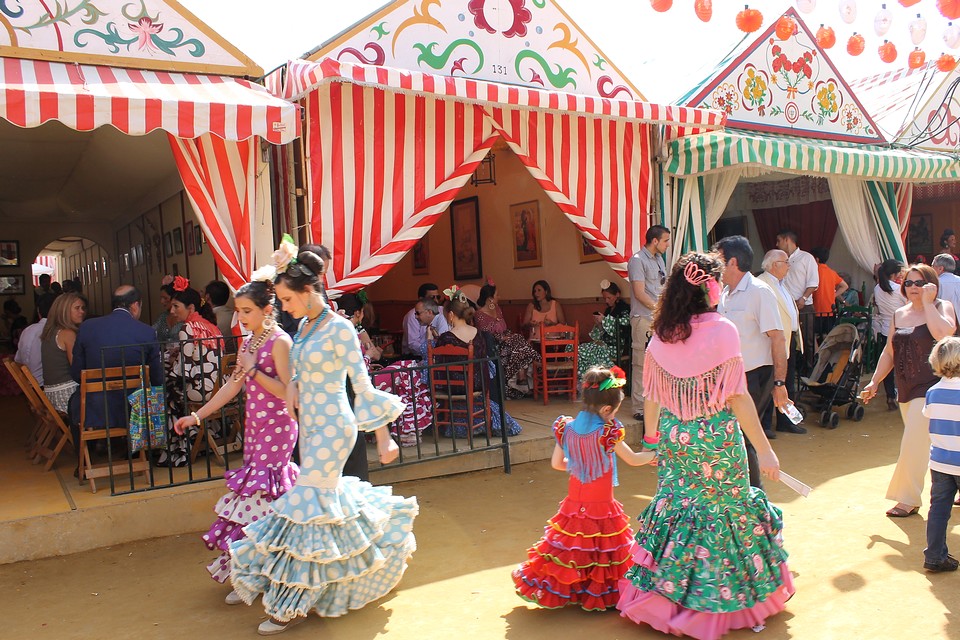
(332, 543)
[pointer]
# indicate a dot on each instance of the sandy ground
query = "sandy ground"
(858, 574)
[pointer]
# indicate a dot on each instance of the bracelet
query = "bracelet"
(253, 368)
(652, 446)
(196, 417)
(654, 439)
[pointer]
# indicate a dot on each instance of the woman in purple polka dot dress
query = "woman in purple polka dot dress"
(270, 433)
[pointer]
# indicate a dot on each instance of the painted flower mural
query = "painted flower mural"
(144, 28)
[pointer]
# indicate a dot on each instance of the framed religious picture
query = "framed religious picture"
(920, 237)
(587, 252)
(197, 239)
(12, 286)
(9, 253)
(465, 236)
(168, 244)
(188, 237)
(421, 257)
(525, 218)
(178, 240)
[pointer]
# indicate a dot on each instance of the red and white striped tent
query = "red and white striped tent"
(424, 135)
(214, 124)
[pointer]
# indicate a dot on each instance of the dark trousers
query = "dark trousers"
(807, 322)
(890, 382)
(760, 388)
(943, 489)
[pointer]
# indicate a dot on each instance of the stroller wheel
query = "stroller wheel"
(858, 413)
(834, 420)
(851, 409)
(825, 419)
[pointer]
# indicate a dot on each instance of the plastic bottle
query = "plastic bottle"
(791, 411)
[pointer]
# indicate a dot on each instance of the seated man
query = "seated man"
(217, 295)
(415, 327)
(28, 350)
(115, 340)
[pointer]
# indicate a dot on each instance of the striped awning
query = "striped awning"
(85, 97)
(717, 150)
(304, 76)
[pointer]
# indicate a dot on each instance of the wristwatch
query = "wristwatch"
(779, 383)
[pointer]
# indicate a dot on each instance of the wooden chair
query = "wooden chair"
(557, 370)
(452, 388)
(51, 432)
(98, 381)
(228, 414)
(13, 368)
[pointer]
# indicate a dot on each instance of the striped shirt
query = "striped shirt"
(943, 409)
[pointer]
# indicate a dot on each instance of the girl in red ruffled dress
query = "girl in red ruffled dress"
(585, 549)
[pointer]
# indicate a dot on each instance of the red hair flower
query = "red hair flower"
(180, 284)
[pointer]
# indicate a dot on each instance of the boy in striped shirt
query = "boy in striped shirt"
(943, 408)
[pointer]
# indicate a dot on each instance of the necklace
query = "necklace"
(298, 342)
(254, 346)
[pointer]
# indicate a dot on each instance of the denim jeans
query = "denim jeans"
(943, 489)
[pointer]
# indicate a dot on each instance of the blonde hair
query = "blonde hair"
(945, 357)
(59, 317)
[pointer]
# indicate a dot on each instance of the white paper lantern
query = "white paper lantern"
(918, 30)
(807, 6)
(848, 11)
(881, 24)
(951, 35)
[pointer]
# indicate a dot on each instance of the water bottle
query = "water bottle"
(791, 411)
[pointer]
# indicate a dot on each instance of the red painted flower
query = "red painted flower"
(144, 28)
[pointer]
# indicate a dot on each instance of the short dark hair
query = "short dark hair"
(487, 291)
(125, 296)
(820, 253)
(44, 304)
(788, 233)
(219, 292)
(426, 286)
(736, 247)
(44, 280)
(655, 232)
(349, 303)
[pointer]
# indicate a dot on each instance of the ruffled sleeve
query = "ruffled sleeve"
(373, 408)
(559, 425)
(612, 435)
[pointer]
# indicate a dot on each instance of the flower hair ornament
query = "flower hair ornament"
(180, 283)
(618, 380)
(285, 259)
(491, 282)
(362, 296)
(455, 293)
(604, 284)
(700, 278)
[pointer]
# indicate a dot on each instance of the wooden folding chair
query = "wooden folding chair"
(557, 370)
(54, 433)
(13, 368)
(228, 414)
(452, 387)
(100, 381)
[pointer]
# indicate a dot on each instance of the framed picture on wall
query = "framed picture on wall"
(465, 236)
(168, 244)
(525, 218)
(188, 236)
(12, 285)
(587, 252)
(138, 252)
(421, 257)
(178, 240)
(125, 259)
(198, 239)
(9, 253)
(920, 237)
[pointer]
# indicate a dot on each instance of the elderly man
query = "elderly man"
(775, 268)
(944, 264)
(800, 282)
(425, 313)
(752, 306)
(648, 273)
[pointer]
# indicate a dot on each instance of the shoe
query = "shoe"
(771, 435)
(638, 416)
(791, 428)
(892, 405)
(270, 628)
(899, 512)
(233, 598)
(947, 564)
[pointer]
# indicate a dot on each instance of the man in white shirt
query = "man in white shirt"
(28, 349)
(415, 328)
(752, 306)
(775, 268)
(800, 282)
(647, 272)
(944, 264)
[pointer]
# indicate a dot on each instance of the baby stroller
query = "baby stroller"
(835, 378)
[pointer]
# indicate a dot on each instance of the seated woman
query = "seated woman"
(459, 314)
(516, 354)
(610, 332)
(351, 307)
(56, 348)
(194, 371)
(543, 311)
(166, 324)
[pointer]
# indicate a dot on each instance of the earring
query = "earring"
(309, 303)
(269, 323)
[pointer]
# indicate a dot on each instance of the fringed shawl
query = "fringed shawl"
(203, 331)
(696, 377)
(588, 445)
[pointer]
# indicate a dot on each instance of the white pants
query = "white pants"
(906, 485)
(640, 327)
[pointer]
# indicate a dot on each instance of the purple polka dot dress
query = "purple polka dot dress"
(269, 436)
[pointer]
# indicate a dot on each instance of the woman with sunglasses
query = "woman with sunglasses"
(914, 329)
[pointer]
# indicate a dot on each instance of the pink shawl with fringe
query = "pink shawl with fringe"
(696, 377)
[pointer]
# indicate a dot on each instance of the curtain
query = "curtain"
(904, 208)
(882, 203)
(695, 206)
(815, 224)
(855, 222)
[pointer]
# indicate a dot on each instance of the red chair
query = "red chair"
(452, 382)
(557, 370)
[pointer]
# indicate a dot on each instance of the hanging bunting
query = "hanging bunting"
(949, 9)
(951, 35)
(916, 58)
(855, 44)
(703, 9)
(946, 63)
(661, 5)
(749, 20)
(848, 11)
(881, 23)
(908, 3)
(918, 30)
(826, 38)
(786, 27)
(888, 52)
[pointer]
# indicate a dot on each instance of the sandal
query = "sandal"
(270, 628)
(900, 512)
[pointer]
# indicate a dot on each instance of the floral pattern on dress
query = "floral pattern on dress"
(606, 337)
(405, 381)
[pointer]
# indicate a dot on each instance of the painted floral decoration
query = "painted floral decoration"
(145, 27)
(827, 100)
(755, 88)
(725, 98)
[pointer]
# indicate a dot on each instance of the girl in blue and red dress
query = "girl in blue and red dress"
(585, 548)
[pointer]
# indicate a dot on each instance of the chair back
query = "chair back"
(453, 375)
(558, 344)
(94, 381)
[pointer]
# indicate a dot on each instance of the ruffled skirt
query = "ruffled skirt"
(327, 550)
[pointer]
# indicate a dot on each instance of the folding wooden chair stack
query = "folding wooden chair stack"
(39, 424)
(452, 387)
(51, 432)
(98, 381)
(557, 370)
(230, 414)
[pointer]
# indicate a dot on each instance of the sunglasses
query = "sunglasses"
(663, 277)
(914, 283)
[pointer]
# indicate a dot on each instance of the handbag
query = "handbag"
(148, 419)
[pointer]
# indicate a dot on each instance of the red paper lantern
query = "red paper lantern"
(950, 9)
(909, 3)
(749, 20)
(786, 27)
(661, 5)
(826, 38)
(887, 51)
(916, 59)
(855, 44)
(703, 9)
(946, 63)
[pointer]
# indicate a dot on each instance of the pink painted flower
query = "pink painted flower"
(758, 530)
(661, 503)
(735, 491)
(729, 427)
(707, 470)
(719, 475)
(701, 552)
(757, 562)
(725, 593)
(668, 549)
(743, 519)
(700, 434)
(684, 438)
(669, 587)
(685, 503)
(673, 434)
(144, 28)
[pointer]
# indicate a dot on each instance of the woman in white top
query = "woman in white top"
(887, 299)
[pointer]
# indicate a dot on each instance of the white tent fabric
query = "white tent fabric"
(850, 205)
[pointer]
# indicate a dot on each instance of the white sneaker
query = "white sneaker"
(270, 628)
(233, 598)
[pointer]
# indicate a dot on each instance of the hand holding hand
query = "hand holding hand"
(868, 392)
(928, 293)
(293, 399)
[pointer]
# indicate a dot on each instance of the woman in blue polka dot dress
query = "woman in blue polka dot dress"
(332, 543)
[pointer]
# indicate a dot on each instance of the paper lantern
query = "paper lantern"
(951, 36)
(918, 30)
(807, 6)
(908, 3)
(887, 51)
(848, 11)
(661, 5)
(946, 63)
(949, 9)
(883, 20)
(703, 9)
(826, 38)
(916, 59)
(749, 20)
(855, 44)
(786, 27)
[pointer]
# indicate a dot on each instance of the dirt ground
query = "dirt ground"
(858, 574)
